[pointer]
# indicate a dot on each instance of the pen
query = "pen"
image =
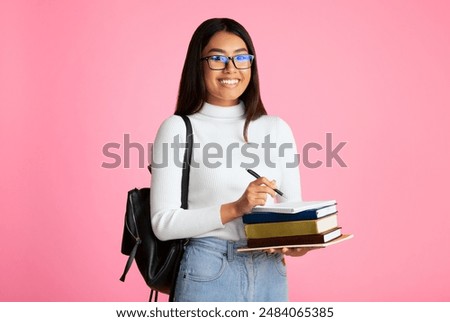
(253, 173)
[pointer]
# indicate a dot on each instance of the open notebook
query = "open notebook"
(294, 206)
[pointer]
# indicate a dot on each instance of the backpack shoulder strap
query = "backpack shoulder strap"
(186, 162)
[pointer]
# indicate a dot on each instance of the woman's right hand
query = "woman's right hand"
(254, 195)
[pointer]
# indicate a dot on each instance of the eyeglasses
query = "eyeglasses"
(219, 62)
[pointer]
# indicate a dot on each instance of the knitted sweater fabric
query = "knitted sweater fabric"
(217, 174)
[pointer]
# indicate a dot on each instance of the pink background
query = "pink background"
(75, 75)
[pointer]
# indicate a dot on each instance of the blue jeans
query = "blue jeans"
(212, 270)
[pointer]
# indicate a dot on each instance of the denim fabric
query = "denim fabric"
(212, 270)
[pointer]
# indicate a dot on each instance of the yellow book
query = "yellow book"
(291, 228)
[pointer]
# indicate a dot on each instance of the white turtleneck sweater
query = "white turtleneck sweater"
(217, 175)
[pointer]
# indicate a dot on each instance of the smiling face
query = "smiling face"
(224, 87)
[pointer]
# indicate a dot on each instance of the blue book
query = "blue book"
(266, 217)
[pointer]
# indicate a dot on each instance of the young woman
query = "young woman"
(219, 90)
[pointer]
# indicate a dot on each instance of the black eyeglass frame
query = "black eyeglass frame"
(229, 58)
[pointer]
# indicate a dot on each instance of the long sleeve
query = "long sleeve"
(169, 221)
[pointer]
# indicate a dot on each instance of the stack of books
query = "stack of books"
(292, 223)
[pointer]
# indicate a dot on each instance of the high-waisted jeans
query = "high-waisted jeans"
(212, 270)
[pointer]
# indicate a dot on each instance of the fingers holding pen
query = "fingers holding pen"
(255, 195)
(271, 184)
(263, 185)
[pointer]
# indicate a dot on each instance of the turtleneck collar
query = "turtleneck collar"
(223, 112)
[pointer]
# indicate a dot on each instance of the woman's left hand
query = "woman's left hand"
(295, 252)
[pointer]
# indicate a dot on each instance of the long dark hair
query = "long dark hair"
(192, 92)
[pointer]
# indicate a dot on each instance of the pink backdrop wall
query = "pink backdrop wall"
(75, 75)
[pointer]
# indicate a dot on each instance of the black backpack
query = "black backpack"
(158, 261)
